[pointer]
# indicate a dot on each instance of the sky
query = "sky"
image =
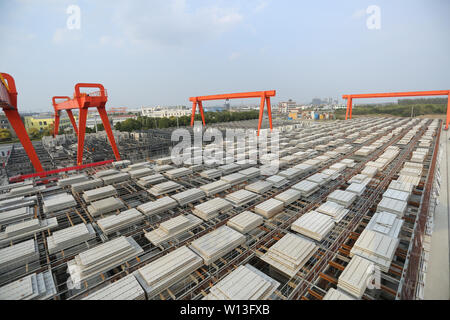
(161, 52)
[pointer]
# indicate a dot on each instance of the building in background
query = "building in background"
(43, 121)
(4, 124)
(165, 112)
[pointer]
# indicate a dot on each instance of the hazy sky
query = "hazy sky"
(164, 51)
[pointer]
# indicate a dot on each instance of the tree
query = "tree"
(34, 133)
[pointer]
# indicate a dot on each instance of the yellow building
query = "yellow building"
(41, 123)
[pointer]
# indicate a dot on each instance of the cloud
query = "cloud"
(233, 56)
(172, 23)
(261, 5)
(64, 36)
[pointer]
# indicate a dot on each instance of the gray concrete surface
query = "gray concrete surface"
(437, 286)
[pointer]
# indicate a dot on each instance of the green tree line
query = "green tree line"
(395, 110)
(144, 123)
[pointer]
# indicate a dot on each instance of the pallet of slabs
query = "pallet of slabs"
(356, 188)
(288, 196)
(163, 168)
(401, 186)
(127, 288)
(370, 171)
(289, 254)
(58, 202)
(173, 227)
(104, 173)
(313, 225)
(104, 206)
(260, 186)
(392, 206)
(376, 247)
(385, 223)
(413, 165)
(153, 179)
(306, 187)
(120, 221)
(102, 258)
(290, 173)
(69, 237)
(229, 168)
(319, 178)
(396, 195)
(332, 174)
(116, 178)
(250, 173)
(212, 208)
(164, 188)
(21, 191)
(121, 164)
(36, 286)
(409, 179)
(16, 214)
(17, 202)
(158, 206)
(18, 255)
(99, 193)
(211, 174)
(269, 208)
(215, 187)
(245, 222)
(164, 272)
(26, 229)
(360, 178)
(138, 173)
(339, 167)
(165, 160)
(303, 167)
(333, 294)
(277, 181)
(87, 185)
(217, 243)
(234, 178)
(72, 179)
(413, 172)
(355, 277)
(241, 197)
(178, 173)
(243, 283)
(189, 196)
(341, 197)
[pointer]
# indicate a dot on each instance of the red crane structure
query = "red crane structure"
(83, 101)
(58, 113)
(350, 97)
(8, 101)
(264, 95)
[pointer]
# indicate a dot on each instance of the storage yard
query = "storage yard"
(352, 201)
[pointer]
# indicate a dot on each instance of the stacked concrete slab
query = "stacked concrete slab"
(102, 258)
(157, 206)
(36, 286)
(105, 206)
(69, 237)
(386, 223)
(314, 225)
(189, 196)
(289, 254)
(260, 186)
(333, 209)
(72, 179)
(142, 172)
(104, 173)
(26, 228)
(288, 196)
(306, 187)
(151, 180)
(241, 197)
(234, 178)
(217, 243)
(162, 273)
(59, 202)
(269, 208)
(173, 227)
(215, 187)
(178, 173)
(87, 185)
(211, 173)
(127, 288)
(333, 294)
(99, 193)
(341, 197)
(245, 222)
(212, 208)
(164, 188)
(243, 283)
(277, 181)
(120, 221)
(116, 178)
(18, 255)
(355, 277)
(16, 214)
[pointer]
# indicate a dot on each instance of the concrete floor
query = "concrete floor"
(437, 286)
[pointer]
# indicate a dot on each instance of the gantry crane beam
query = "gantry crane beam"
(350, 97)
(82, 102)
(264, 95)
(8, 101)
(58, 113)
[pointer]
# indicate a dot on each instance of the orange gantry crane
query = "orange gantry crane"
(264, 95)
(58, 113)
(8, 101)
(83, 101)
(350, 97)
